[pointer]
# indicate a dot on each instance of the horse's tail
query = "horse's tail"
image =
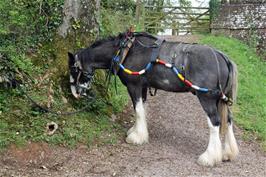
(223, 111)
(234, 80)
(230, 91)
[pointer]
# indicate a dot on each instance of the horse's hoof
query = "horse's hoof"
(130, 130)
(136, 137)
(230, 150)
(229, 155)
(208, 159)
(204, 160)
(226, 158)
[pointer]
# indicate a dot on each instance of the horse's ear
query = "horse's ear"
(121, 35)
(119, 38)
(71, 59)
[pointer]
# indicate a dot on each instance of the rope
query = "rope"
(58, 113)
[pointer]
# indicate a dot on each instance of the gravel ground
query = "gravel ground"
(178, 135)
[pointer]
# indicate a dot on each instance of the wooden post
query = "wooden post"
(138, 4)
(174, 28)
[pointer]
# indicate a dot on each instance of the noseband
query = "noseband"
(77, 68)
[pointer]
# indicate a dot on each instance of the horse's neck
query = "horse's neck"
(103, 56)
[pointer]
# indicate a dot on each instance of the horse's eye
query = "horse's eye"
(85, 73)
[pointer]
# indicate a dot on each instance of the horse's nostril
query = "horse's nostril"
(84, 94)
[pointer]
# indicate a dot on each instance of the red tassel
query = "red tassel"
(161, 62)
(188, 83)
(135, 73)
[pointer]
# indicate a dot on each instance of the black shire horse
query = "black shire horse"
(143, 61)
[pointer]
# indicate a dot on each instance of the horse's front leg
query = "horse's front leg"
(138, 134)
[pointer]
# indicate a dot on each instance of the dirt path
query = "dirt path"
(178, 135)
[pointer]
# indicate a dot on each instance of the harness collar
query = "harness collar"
(122, 52)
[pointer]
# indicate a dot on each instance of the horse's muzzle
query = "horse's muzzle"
(80, 90)
(81, 84)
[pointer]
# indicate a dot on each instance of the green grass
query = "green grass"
(21, 122)
(250, 110)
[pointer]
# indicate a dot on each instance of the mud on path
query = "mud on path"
(178, 135)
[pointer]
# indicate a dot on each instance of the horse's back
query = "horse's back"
(201, 64)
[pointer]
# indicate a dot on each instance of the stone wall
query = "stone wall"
(245, 21)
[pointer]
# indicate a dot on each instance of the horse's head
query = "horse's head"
(81, 74)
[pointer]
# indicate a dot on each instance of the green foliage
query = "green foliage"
(30, 21)
(214, 8)
(154, 9)
(253, 38)
(251, 102)
(28, 53)
(120, 99)
(119, 5)
(116, 16)
(113, 22)
(185, 3)
(24, 25)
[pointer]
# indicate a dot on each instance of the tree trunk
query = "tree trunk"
(80, 18)
(80, 26)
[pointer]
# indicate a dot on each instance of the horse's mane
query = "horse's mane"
(120, 36)
(144, 34)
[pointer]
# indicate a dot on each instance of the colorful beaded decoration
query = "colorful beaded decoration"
(168, 65)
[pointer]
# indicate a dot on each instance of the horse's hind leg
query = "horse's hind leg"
(213, 153)
(138, 134)
(230, 150)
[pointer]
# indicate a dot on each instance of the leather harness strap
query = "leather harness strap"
(126, 50)
(123, 53)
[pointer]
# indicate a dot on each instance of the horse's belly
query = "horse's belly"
(167, 81)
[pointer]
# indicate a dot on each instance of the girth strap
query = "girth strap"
(154, 56)
(155, 50)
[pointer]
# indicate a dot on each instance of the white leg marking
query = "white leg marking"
(230, 146)
(138, 134)
(71, 79)
(213, 153)
(131, 130)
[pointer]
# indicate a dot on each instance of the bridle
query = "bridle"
(88, 75)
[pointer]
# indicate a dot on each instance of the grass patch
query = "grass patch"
(21, 122)
(250, 110)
